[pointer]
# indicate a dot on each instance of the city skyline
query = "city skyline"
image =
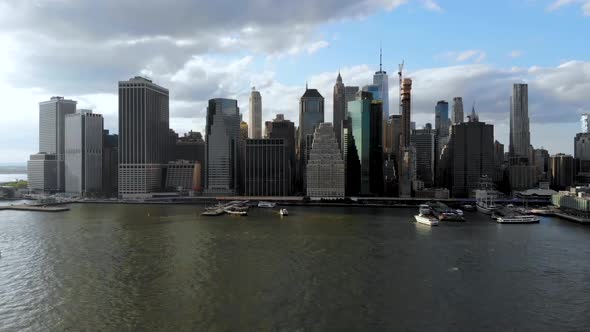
(241, 58)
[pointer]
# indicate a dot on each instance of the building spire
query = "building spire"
(380, 58)
(305, 85)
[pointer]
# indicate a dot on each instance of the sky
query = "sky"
(199, 50)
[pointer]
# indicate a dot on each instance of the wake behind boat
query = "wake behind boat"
(425, 216)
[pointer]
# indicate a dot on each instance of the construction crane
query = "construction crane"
(400, 74)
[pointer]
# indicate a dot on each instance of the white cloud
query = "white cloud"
(557, 4)
(515, 54)
(476, 56)
(432, 5)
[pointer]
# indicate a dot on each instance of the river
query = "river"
(144, 268)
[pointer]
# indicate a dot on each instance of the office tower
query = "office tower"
(498, 161)
(42, 172)
(424, 141)
(143, 136)
(585, 119)
(352, 165)
(381, 80)
(311, 114)
(244, 130)
(458, 116)
(266, 168)
(442, 118)
(223, 142)
(582, 146)
(406, 101)
(562, 171)
(325, 169)
(191, 147)
(283, 129)
(520, 137)
(83, 147)
(183, 176)
(339, 107)
(471, 156)
(350, 95)
(367, 126)
(393, 134)
(52, 115)
(374, 90)
(110, 163)
(541, 160)
(255, 114)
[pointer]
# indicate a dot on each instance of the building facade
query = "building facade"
(325, 169)
(255, 127)
(143, 136)
(110, 163)
(280, 128)
(183, 175)
(562, 171)
(424, 141)
(349, 95)
(311, 114)
(84, 149)
(266, 168)
(458, 115)
(52, 117)
(381, 80)
(441, 116)
(223, 142)
(42, 172)
(585, 120)
(520, 136)
(340, 108)
(582, 146)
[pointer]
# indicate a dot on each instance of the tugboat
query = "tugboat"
(425, 216)
(486, 196)
(283, 212)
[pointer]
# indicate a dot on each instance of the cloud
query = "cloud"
(432, 5)
(463, 56)
(557, 4)
(515, 54)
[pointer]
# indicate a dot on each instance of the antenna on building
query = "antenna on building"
(380, 58)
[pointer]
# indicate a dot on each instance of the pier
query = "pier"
(35, 208)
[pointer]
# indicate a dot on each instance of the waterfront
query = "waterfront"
(138, 267)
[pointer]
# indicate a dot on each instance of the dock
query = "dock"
(34, 208)
(572, 218)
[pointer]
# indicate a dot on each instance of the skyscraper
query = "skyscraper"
(562, 171)
(458, 116)
(582, 146)
(352, 165)
(191, 147)
(441, 123)
(520, 136)
(266, 168)
(223, 142)
(393, 134)
(367, 125)
(339, 108)
(110, 163)
(83, 147)
(325, 169)
(585, 120)
(350, 95)
(52, 115)
(283, 129)
(255, 126)
(143, 136)
(381, 80)
(424, 142)
(406, 101)
(311, 114)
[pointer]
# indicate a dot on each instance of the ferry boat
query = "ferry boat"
(425, 216)
(508, 215)
(486, 196)
(444, 213)
(267, 205)
(284, 212)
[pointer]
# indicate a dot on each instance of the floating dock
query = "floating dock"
(35, 208)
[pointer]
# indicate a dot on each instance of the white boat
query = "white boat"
(235, 212)
(509, 215)
(267, 205)
(486, 196)
(284, 212)
(425, 216)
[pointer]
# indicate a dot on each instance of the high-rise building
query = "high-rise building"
(393, 134)
(406, 101)
(520, 136)
(441, 122)
(582, 146)
(222, 164)
(143, 136)
(585, 119)
(83, 147)
(562, 171)
(255, 129)
(183, 176)
(541, 159)
(424, 141)
(266, 168)
(381, 80)
(498, 161)
(283, 129)
(52, 115)
(340, 108)
(458, 116)
(191, 147)
(471, 156)
(42, 172)
(350, 95)
(110, 163)
(352, 165)
(367, 125)
(325, 169)
(244, 129)
(311, 114)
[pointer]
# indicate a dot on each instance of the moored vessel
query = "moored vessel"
(444, 213)
(508, 215)
(486, 196)
(425, 216)
(283, 212)
(268, 205)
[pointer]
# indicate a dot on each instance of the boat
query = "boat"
(486, 196)
(444, 213)
(235, 212)
(213, 213)
(468, 207)
(283, 212)
(425, 216)
(268, 205)
(508, 215)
